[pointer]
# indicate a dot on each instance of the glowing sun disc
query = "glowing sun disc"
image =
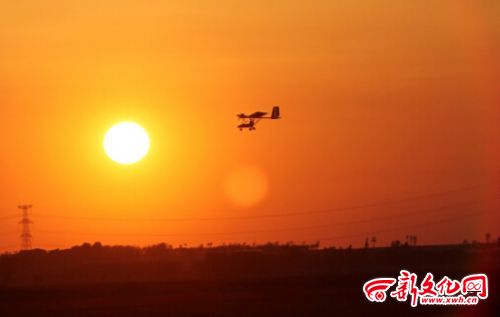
(126, 143)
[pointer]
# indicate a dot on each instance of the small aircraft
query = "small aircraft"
(249, 121)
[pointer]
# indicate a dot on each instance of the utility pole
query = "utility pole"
(26, 237)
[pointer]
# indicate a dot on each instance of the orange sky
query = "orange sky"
(382, 101)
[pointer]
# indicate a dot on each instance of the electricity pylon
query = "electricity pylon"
(26, 236)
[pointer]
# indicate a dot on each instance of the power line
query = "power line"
(5, 233)
(276, 215)
(8, 247)
(394, 229)
(350, 222)
(8, 217)
(373, 219)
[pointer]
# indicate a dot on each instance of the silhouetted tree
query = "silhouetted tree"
(411, 240)
(374, 240)
(395, 243)
(488, 237)
(315, 245)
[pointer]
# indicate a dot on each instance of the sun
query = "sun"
(126, 143)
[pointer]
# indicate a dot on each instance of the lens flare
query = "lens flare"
(246, 186)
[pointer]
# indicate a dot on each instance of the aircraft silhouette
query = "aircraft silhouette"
(249, 121)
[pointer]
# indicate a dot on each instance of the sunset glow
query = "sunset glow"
(112, 111)
(249, 158)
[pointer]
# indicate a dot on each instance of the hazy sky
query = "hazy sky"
(391, 106)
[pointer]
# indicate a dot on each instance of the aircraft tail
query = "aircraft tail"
(276, 113)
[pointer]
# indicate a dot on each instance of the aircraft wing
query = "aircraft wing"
(258, 114)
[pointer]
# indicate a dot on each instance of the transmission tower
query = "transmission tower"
(26, 237)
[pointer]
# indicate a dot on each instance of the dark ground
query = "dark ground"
(275, 281)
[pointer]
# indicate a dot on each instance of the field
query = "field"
(281, 281)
